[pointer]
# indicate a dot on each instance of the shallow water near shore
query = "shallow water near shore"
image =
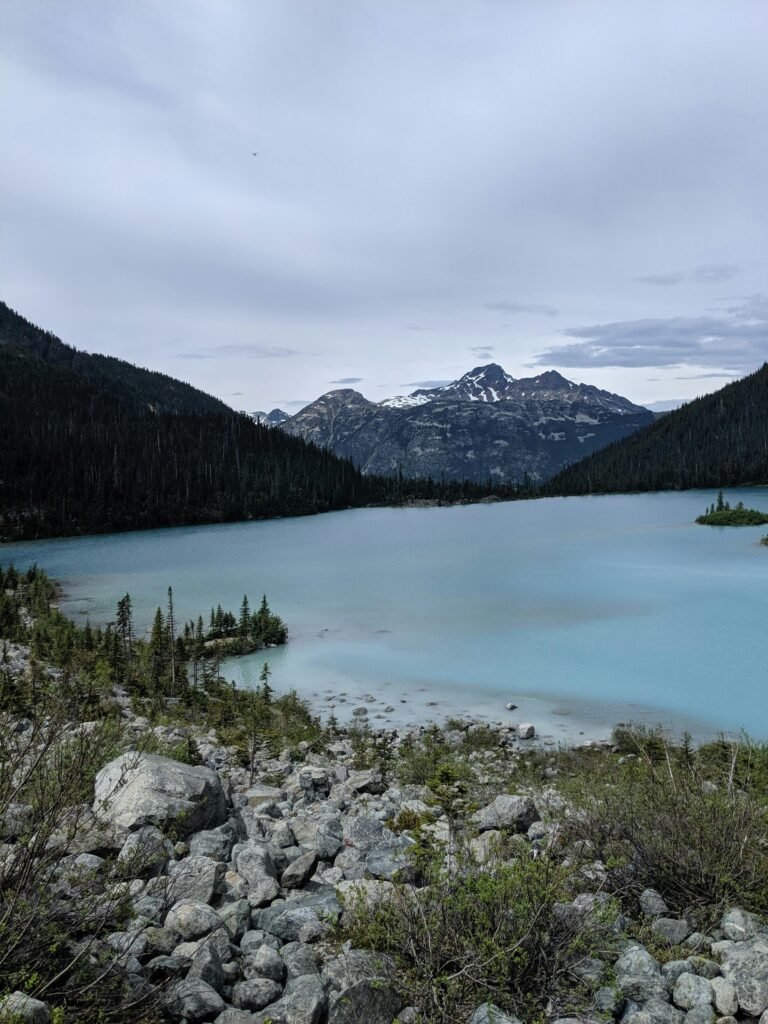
(581, 611)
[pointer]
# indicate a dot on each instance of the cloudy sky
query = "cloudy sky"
(436, 184)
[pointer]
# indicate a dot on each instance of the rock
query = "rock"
(329, 838)
(192, 920)
(24, 1008)
(490, 1014)
(233, 1016)
(652, 903)
(255, 863)
(237, 918)
(690, 990)
(264, 962)
(745, 965)
(656, 1011)
(260, 794)
(673, 969)
(304, 1002)
(608, 1000)
(285, 919)
(368, 781)
(637, 961)
(363, 832)
(360, 712)
(196, 878)
(136, 790)
(297, 874)
(389, 858)
(299, 960)
(194, 1001)
(206, 965)
(670, 930)
(373, 1000)
(485, 846)
(144, 853)
(506, 812)
(725, 999)
(641, 988)
(526, 731)
(215, 843)
(701, 1014)
(703, 966)
(263, 892)
(255, 994)
(345, 970)
(738, 925)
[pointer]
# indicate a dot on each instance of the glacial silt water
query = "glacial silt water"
(582, 611)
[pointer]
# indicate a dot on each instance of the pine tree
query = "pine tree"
(172, 640)
(245, 618)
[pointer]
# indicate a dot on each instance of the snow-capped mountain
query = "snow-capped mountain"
(270, 419)
(484, 425)
(492, 383)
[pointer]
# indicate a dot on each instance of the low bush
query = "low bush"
(690, 824)
(56, 914)
(474, 934)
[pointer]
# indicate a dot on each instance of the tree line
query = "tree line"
(76, 459)
(720, 440)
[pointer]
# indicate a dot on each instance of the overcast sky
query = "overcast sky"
(547, 184)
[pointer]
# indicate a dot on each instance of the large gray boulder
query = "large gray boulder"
(192, 920)
(745, 965)
(304, 1002)
(515, 813)
(21, 1007)
(373, 1000)
(255, 994)
(136, 790)
(690, 990)
(194, 1001)
(490, 1014)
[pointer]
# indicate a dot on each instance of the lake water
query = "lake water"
(582, 611)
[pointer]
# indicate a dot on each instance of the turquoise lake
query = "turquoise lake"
(582, 611)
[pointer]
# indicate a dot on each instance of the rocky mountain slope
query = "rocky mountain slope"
(486, 425)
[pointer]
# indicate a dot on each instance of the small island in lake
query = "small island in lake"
(720, 513)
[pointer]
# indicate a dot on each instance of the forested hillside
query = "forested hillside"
(80, 456)
(131, 385)
(720, 440)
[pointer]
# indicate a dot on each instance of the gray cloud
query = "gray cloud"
(433, 197)
(709, 273)
(708, 376)
(347, 380)
(731, 343)
(521, 307)
(663, 280)
(242, 351)
(716, 272)
(426, 384)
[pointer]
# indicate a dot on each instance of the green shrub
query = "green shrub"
(54, 917)
(661, 821)
(476, 934)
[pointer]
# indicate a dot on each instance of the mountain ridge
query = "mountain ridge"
(147, 390)
(485, 425)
